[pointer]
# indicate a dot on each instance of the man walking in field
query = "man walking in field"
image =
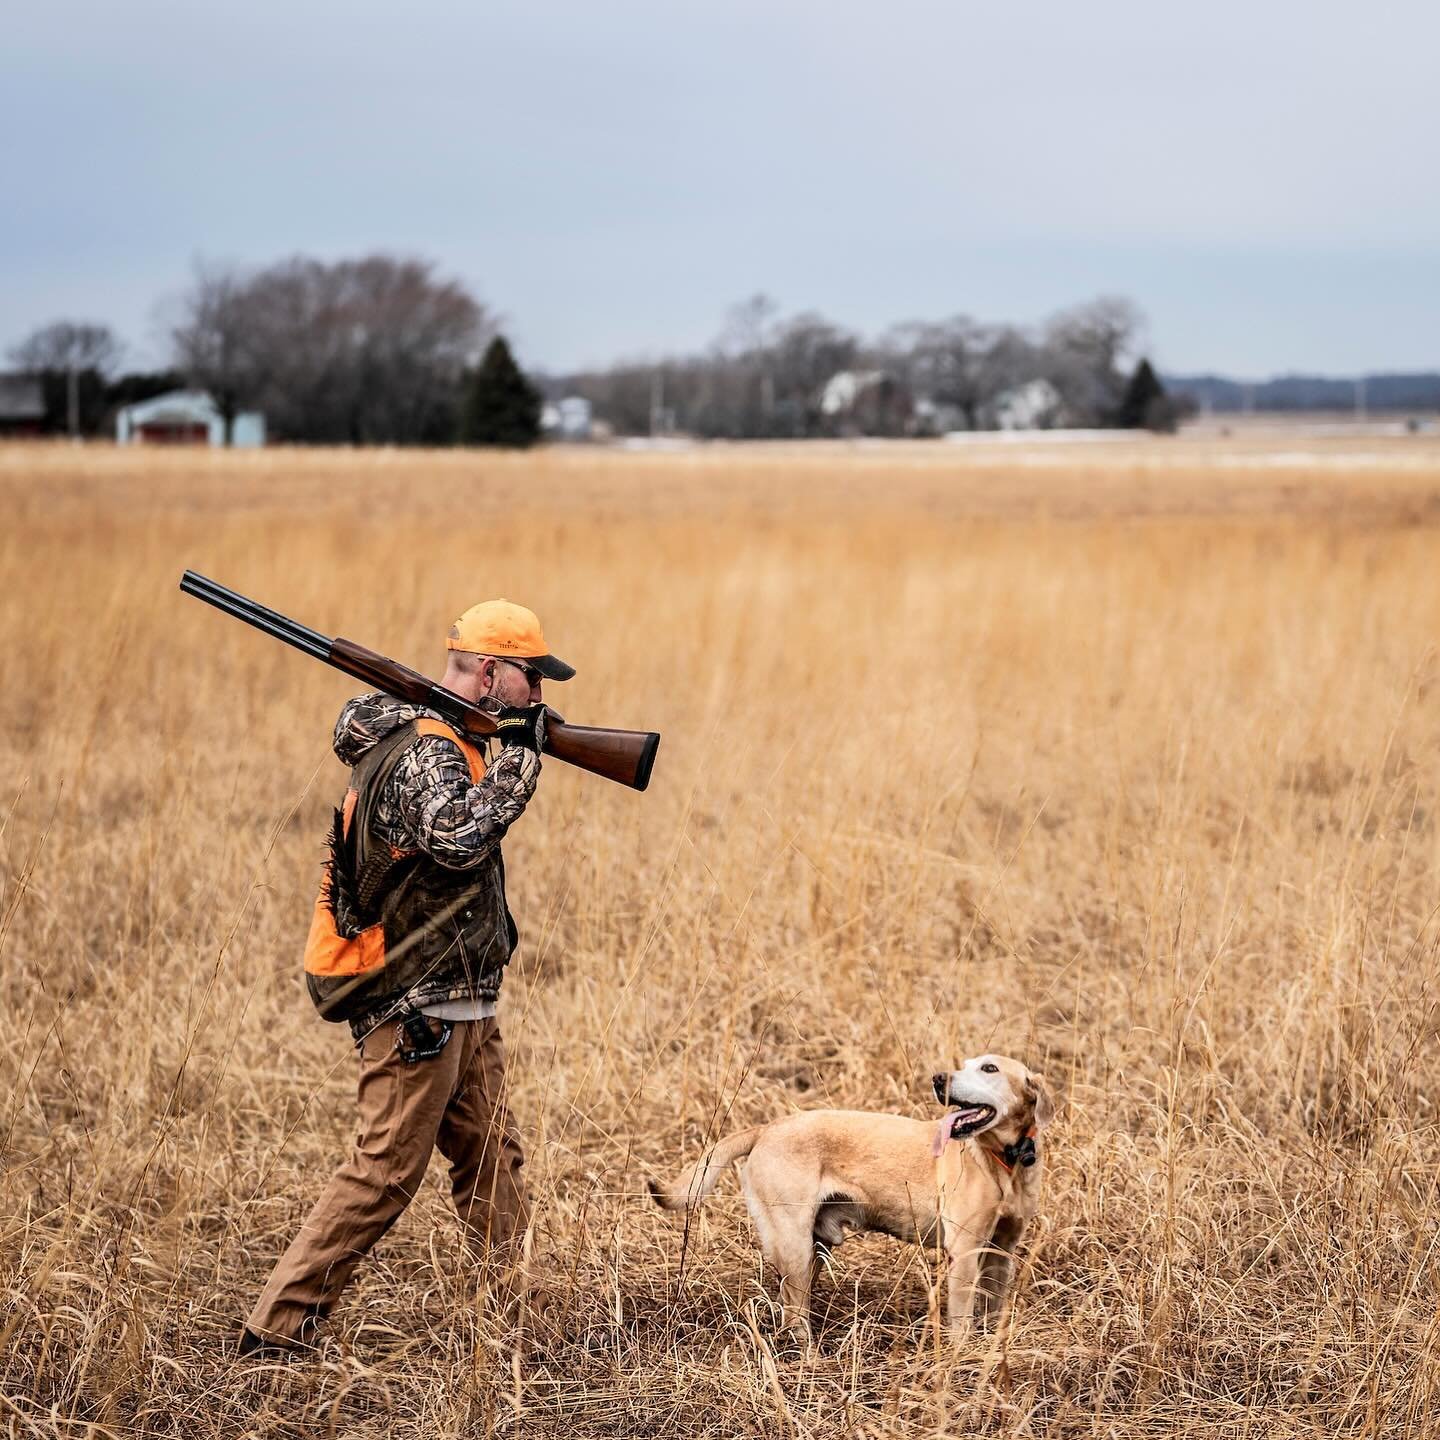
(418, 844)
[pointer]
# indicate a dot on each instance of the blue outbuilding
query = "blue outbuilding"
(185, 417)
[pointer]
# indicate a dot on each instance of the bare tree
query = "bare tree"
(69, 346)
(945, 362)
(808, 350)
(731, 392)
(363, 351)
(213, 339)
(762, 377)
(749, 326)
(72, 360)
(1011, 359)
(1088, 352)
(412, 336)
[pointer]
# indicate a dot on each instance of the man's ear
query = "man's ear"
(1039, 1092)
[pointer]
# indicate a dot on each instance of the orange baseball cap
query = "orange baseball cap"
(500, 627)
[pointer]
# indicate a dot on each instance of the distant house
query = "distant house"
(185, 417)
(567, 419)
(866, 402)
(22, 405)
(843, 389)
(1035, 405)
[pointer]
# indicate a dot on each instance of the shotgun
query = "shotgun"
(625, 756)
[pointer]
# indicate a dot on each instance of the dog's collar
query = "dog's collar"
(1022, 1153)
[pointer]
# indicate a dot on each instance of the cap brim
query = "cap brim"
(551, 668)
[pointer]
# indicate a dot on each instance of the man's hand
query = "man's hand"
(522, 725)
(516, 768)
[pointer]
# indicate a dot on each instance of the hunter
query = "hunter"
(422, 825)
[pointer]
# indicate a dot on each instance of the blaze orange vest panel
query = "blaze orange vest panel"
(331, 954)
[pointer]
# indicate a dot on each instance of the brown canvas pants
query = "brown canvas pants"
(455, 1102)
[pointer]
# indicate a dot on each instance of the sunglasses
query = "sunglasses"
(531, 674)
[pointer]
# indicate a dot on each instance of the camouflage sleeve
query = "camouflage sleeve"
(455, 822)
(366, 720)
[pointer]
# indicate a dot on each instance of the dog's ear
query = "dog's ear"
(1039, 1092)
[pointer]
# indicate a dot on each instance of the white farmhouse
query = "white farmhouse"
(845, 387)
(1035, 405)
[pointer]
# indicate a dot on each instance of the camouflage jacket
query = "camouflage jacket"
(453, 900)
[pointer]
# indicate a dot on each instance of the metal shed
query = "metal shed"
(185, 417)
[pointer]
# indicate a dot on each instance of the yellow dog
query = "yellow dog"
(972, 1182)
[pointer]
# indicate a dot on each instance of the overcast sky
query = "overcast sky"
(1260, 177)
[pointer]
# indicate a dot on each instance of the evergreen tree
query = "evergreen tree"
(501, 407)
(1143, 399)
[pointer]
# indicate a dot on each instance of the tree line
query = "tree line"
(380, 350)
(771, 376)
(384, 349)
(375, 351)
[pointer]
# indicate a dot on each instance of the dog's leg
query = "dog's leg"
(785, 1230)
(795, 1260)
(763, 1225)
(960, 1289)
(783, 1200)
(963, 1244)
(996, 1271)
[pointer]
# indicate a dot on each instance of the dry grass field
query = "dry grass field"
(1122, 759)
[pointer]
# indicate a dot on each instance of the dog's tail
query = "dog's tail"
(696, 1181)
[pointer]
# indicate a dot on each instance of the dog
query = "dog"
(971, 1182)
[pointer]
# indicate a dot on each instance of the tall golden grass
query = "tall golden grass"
(1122, 760)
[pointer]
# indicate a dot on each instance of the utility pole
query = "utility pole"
(657, 402)
(73, 402)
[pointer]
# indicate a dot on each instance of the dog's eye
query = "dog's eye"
(990, 1069)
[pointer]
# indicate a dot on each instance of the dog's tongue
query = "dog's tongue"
(942, 1134)
(951, 1124)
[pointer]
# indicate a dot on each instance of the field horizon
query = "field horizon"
(1122, 759)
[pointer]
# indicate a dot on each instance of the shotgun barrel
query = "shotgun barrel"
(624, 756)
(272, 622)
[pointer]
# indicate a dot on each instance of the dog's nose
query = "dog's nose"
(941, 1084)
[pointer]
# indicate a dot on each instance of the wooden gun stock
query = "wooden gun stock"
(625, 756)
